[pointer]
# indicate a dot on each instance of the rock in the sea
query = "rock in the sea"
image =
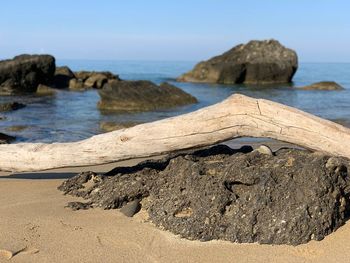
(257, 62)
(11, 106)
(16, 128)
(44, 90)
(112, 126)
(82, 75)
(91, 79)
(97, 80)
(4, 138)
(24, 73)
(77, 85)
(62, 77)
(141, 96)
(291, 197)
(323, 85)
(36, 73)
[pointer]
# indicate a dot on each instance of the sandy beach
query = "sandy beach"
(33, 216)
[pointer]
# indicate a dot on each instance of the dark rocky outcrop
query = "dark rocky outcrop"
(96, 81)
(38, 73)
(24, 73)
(290, 197)
(141, 96)
(11, 106)
(81, 80)
(257, 62)
(91, 79)
(4, 138)
(323, 85)
(84, 75)
(62, 77)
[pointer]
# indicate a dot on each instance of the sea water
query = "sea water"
(72, 116)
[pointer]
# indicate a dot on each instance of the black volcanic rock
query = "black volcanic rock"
(257, 62)
(24, 73)
(141, 96)
(290, 197)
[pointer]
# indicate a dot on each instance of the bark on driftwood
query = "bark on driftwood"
(235, 117)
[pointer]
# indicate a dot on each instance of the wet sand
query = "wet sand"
(33, 215)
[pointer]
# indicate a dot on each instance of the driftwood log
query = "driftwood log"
(237, 116)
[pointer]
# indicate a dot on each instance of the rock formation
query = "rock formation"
(38, 73)
(257, 62)
(290, 197)
(44, 90)
(24, 73)
(141, 96)
(62, 77)
(323, 85)
(11, 106)
(91, 79)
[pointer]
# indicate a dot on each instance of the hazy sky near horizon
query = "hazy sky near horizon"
(318, 30)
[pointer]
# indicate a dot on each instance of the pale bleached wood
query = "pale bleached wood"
(236, 116)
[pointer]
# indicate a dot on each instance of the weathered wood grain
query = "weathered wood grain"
(235, 117)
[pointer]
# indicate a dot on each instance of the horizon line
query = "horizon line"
(182, 60)
(165, 60)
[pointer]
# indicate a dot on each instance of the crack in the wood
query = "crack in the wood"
(253, 116)
(281, 127)
(266, 121)
(198, 133)
(257, 103)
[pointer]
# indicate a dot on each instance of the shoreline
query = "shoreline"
(33, 215)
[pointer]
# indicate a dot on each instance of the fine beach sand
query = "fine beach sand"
(33, 215)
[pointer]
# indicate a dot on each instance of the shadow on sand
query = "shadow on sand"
(45, 176)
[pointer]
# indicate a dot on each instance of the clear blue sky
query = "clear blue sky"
(319, 30)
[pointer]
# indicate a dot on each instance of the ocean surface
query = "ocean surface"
(72, 116)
